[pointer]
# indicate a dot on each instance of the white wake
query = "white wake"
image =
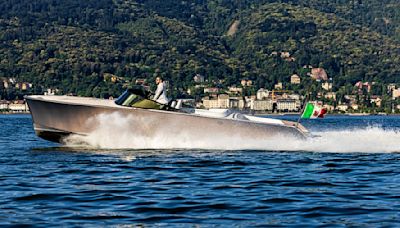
(113, 133)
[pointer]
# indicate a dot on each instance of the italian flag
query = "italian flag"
(312, 111)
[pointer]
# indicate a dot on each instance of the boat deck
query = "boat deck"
(76, 100)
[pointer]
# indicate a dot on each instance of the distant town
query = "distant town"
(360, 98)
(280, 100)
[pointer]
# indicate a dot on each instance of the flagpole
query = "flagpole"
(302, 109)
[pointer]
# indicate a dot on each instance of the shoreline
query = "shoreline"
(330, 114)
(14, 113)
(267, 114)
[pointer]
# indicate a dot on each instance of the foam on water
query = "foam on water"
(118, 132)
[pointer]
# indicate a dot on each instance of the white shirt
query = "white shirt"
(161, 94)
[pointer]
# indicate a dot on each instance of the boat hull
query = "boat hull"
(55, 118)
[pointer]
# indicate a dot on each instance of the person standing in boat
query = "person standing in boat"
(160, 95)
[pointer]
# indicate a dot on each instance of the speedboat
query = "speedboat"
(56, 117)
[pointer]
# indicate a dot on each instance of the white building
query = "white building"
(234, 89)
(221, 102)
(327, 86)
(295, 79)
(237, 102)
(396, 93)
(342, 107)
(354, 106)
(262, 94)
(19, 107)
(262, 105)
(289, 105)
(198, 78)
(210, 103)
(278, 85)
(331, 96)
(391, 87)
(211, 90)
(4, 105)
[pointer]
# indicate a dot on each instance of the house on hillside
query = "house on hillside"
(396, 93)
(377, 100)
(295, 79)
(330, 96)
(198, 78)
(235, 90)
(245, 82)
(327, 86)
(391, 87)
(211, 90)
(319, 74)
(262, 94)
(278, 85)
(360, 85)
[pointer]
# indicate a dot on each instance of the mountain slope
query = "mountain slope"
(73, 45)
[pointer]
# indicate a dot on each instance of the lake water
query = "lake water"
(349, 176)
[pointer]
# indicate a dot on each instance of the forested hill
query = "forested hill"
(74, 45)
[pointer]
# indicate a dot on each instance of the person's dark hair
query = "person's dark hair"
(161, 78)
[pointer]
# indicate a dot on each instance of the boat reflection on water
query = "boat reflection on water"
(55, 117)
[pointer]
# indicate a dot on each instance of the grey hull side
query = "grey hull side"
(55, 120)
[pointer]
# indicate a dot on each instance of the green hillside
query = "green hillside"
(75, 45)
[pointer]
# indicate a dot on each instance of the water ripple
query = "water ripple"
(43, 184)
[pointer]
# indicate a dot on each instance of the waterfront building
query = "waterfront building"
(329, 108)
(18, 106)
(342, 107)
(288, 105)
(377, 100)
(237, 102)
(262, 105)
(221, 102)
(354, 106)
(295, 79)
(4, 105)
(210, 103)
